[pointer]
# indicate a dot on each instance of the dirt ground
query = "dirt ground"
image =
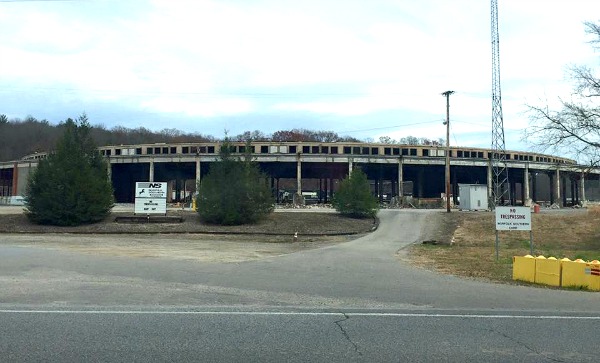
(204, 248)
(283, 224)
(191, 239)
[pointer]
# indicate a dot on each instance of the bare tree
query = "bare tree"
(255, 135)
(305, 135)
(409, 140)
(386, 140)
(574, 129)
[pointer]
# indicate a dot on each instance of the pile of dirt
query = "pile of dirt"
(441, 227)
(281, 223)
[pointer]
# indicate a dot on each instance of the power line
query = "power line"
(194, 93)
(41, 1)
(454, 136)
(471, 123)
(391, 127)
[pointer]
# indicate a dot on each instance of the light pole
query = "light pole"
(447, 123)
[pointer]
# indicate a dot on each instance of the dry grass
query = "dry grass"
(565, 233)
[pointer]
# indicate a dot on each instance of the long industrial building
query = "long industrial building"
(314, 170)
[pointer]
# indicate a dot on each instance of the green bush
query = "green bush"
(354, 198)
(71, 186)
(234, 191)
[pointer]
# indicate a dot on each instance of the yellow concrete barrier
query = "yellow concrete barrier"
(547, 271)
(553, 272)
(524, 268)
(592, 273)
(573, 274)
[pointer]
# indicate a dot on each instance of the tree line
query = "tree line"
(20, 137)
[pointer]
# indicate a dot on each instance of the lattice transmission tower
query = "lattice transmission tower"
(500, 189)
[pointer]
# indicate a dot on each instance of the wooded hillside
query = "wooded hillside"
(20, 137)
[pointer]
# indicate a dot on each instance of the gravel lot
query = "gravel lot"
(190, 239)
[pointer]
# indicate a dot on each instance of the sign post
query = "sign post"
(513, 219)
(150, 198)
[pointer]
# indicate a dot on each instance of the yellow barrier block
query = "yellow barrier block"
(547, 271)
(573, 274)
(592, 272)
(524, 268)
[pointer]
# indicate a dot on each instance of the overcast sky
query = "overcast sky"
(360, 68)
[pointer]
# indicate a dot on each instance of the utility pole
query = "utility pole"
(447, 123)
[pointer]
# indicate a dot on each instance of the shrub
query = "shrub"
(354, 198)
(71, 186)
(234, 191)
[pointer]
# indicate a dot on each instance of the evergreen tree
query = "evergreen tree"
(70, 187)
(234, 191)
(354, 198)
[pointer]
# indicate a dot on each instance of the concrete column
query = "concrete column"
(564, 192)
(400, 178)
(299, 176)
(526, 186)
(454, 187)
(331, 182)
(15, 181)
(169, 191)
(574, 191)
(349, 167)
(552, 188)
(557, 185)
(320, 190)
(420, 181)
(534, 186)
(109, 170)
(198, 172)
(513, 192)
(177, 189)
(151, 176)
(582, 187)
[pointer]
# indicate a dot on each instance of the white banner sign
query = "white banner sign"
(513, 219)
(150, 198)
(150, 190)
(150, 206)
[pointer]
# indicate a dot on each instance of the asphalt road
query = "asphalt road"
(134, 336)
(353, 301)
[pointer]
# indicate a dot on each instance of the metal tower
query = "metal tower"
(500, 189)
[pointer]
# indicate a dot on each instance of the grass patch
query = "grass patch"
(567, 233)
